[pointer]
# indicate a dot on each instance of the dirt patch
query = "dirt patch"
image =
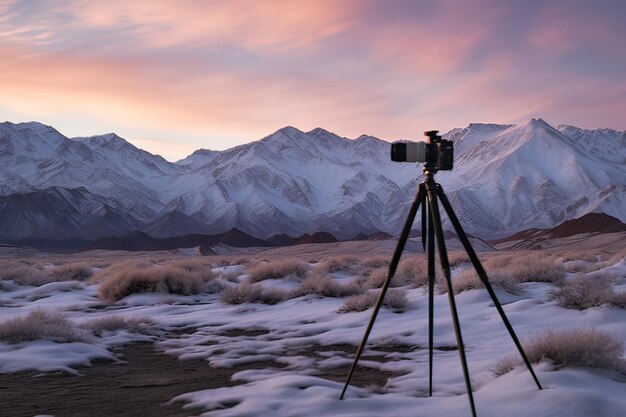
(146, 379)
(244, 332)
(139, 386)
(364, 376)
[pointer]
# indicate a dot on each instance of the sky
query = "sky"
(175, 76)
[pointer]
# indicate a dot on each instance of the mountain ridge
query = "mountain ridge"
(506, 178)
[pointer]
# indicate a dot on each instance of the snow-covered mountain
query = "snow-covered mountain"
(505, 178)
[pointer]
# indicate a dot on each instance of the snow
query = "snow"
(300, 182)
(303, 323)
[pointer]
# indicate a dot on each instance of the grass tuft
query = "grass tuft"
(277, 269)
(395, 299)
(586, 291)
(167, 279)
(40, 324)
(589, 348)
(324, 285)
(249, 293)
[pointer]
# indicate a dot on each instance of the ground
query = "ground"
(180, 354)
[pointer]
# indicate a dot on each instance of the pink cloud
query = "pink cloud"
(245, 68)
(251, 24)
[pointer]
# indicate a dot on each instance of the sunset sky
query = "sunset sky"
(175, 76)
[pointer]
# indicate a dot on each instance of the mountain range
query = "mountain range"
(506, 178)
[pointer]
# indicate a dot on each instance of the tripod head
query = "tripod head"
(440, 153)
(436, 152)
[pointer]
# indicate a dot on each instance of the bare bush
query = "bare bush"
(231, 276)
(358, 303)
(588, 348)
(198, 266)
(120, 268)
(376, 262)
(40, 324)
(377, 277)
(24, 274)
(168, 279)
(497, 260)
(75, 271)
(468, 280)
(117, 322)
(395, 299)
(413, 271)
(341, 263)
(578, 255)
(277, 269)
(528, 267)
(617, 257)
(457, 258)
(325, 286)
(249, 293)
(465, 280)
(584, 291)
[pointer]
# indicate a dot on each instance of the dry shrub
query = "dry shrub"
(249, 293)
(40, 324)
(377, 278)
(120, 268)
(231, 276)
(117, 322)
(221, 260)
(413, 271)
(25, 275)
(469, 280)
(324, 285)
(584, 291)
(588, 348)
(529, 267)
(376, 262)
(167, 279)
(343, 263)
(617, 257)
(578, 255)
(75, 271)
(498, 260)
(395, 299)
(457, 258)
(197, 266)
(277, 269)
(464, 281)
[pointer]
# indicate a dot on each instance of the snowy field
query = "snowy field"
(300, 319)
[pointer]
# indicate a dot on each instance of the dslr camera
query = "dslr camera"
(437, 153)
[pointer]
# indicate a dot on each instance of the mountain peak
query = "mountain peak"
(530, 127)
(108, 140)
(288, 130)
(36, 130)
(318, 131)
(534, 124)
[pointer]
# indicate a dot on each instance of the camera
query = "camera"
(437, 154)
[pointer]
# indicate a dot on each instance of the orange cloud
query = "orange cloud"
(251, 24)
(241, 69)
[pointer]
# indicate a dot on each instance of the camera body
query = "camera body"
(437, 154)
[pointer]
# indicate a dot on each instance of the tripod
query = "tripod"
(431, 226)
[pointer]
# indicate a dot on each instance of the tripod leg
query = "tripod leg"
(445, 265)
(431, 298)
(483, 277)
(425, 226)
(395, 260)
